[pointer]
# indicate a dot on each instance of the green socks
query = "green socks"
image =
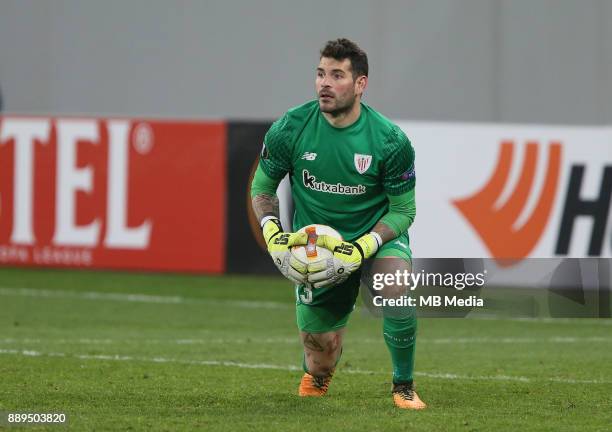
(400, 337)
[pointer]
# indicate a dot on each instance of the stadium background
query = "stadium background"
(545, 61)
(190, 90)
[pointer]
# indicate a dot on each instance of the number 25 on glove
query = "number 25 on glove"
(347, 257)
(279, 247)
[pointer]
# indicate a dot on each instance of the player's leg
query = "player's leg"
(322, 315)
(321, 355)
(322, 351)
(399, 323)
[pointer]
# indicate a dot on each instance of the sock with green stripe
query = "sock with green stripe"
(400, 337)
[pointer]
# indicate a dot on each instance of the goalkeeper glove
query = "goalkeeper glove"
(279, 246)
(347, 257)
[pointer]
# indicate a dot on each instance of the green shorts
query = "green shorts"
(328, 309)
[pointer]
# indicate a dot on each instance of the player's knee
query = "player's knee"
(394, 291)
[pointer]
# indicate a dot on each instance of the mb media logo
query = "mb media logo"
(496, 225)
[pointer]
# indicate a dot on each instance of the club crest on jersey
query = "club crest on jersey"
(362, 162)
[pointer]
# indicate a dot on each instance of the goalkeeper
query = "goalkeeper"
(352, 169)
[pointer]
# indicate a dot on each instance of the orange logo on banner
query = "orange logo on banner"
(496, 225)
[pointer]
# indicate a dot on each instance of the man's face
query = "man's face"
(335, 86)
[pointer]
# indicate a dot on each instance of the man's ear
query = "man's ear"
(361, 83)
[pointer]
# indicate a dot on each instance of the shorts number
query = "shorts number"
(306, 298)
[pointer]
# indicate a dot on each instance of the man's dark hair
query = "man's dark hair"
(341, 49)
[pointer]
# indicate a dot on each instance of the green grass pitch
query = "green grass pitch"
(118, 351)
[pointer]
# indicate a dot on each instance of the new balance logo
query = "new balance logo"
(309, 156)
(496, 225)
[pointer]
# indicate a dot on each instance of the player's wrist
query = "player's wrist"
(265, 219)
(377, 238)
(271, 227)
(368, 244)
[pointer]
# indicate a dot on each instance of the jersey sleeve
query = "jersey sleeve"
(275, 158)
(398, 166)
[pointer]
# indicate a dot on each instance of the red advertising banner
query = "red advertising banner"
(112, 193)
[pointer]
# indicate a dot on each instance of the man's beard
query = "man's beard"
(339, 110)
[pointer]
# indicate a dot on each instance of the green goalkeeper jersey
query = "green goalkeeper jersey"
(339, 176)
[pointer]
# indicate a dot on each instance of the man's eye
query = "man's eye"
(337, 76)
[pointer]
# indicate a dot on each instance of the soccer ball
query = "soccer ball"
(312, 253)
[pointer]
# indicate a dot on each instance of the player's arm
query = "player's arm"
(263, 195)
(279, 243)
(274, 163)
(399, 181)
(401, 214)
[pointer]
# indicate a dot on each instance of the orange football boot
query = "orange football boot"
(405, 397)
(314, 386)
